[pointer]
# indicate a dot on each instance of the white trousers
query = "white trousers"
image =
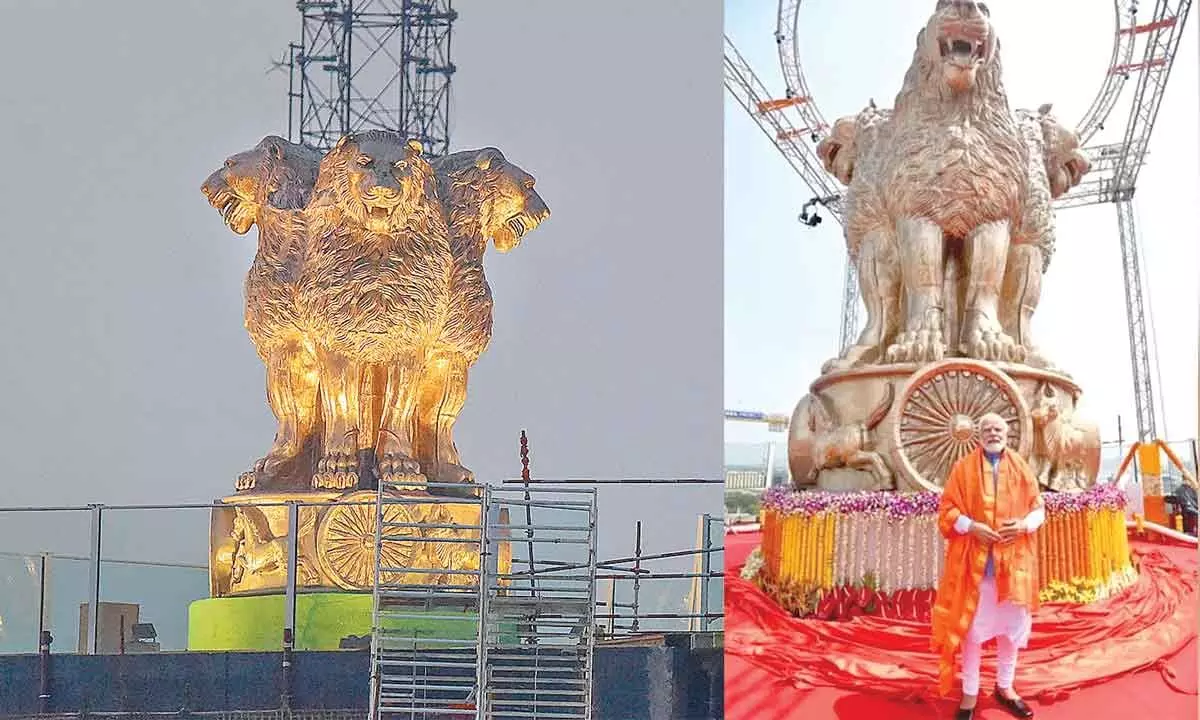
(1008, 623)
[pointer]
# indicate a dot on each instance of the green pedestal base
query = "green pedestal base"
(322, 621)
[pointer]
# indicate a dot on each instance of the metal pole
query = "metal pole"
(289, 602)
(590, 626)
(93, 627)
(482, 698)
(706, 567)
(612, 605)
(694, 601)
(770, 480)
(376, 681)
(637, 574)
(44, 640)
(1120, 443)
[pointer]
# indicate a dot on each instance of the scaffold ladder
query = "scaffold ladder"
(509, 631)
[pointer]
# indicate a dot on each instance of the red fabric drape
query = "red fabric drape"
(1071, 646)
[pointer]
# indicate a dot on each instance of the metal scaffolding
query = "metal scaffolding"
(508, 636)
(375, 64)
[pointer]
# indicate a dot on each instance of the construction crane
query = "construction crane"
(1144, 52)
(378, 64)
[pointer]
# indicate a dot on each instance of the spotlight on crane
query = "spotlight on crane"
(808, 213)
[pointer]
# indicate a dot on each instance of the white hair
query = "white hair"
(993, 418)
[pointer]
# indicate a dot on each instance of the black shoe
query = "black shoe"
(1016, 708)
(965, 714)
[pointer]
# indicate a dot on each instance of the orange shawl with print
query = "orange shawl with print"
(969, 491)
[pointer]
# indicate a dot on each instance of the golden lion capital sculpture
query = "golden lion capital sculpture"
(367, 300)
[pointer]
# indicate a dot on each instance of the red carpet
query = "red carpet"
(1133, 655)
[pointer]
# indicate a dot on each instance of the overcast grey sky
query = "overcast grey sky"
(126, 372)
(784, 281)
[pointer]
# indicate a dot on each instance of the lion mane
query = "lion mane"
(372, 291)
(485, 197)
(981, 160)
(853, 155)
(268, 186)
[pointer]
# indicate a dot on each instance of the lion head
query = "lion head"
(498, 193)
(837, 150)
(1065, 162)
(850, 139)
(957, 50)
(376, 179)
(274, 173)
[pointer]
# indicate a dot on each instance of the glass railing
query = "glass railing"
(147, 570)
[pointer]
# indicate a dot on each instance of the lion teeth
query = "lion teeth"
(517, 226)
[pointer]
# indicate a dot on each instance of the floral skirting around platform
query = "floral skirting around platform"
(839, 555)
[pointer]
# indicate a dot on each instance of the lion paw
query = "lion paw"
(854, 356)
(336, 471)
(994, 345)
(453, 473)
(246, 481)
(1034, 358)
(924, 345)
(398, 463)
(455, 481)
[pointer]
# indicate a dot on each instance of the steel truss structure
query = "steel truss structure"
(382, 64)
(1143, 52)
(495, 640)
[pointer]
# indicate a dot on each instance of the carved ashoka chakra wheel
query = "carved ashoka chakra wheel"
(346, 541)
(441, 551)
(937, 414)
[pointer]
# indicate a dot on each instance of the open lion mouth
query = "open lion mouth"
(237, 213)
(521, 223)
(380, 212)
(516, 225)
(962, 50)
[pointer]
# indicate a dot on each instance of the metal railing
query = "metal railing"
(624, 608)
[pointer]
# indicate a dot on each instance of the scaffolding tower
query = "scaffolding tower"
(508, 636)
(371, 64)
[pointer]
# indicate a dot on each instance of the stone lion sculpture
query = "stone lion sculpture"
(374, 294)
(850, 152)
(955, 171)
(948, 216)
(1056, 164)
(268, 186)
(486, 198)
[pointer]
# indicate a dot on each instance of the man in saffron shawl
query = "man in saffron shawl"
(989, 512)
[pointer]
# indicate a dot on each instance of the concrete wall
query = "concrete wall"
(669, 682)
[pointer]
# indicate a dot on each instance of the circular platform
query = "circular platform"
(251, 623)
(1073, 646)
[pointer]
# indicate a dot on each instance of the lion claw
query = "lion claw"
(452, 473)
(336, 471)
(993, 346)
(925, 345)
(396, 463)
